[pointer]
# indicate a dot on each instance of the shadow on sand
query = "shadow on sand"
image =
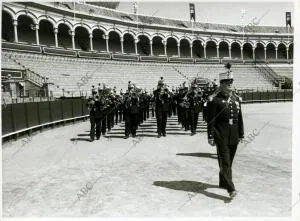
(192, 186)
(208, 155)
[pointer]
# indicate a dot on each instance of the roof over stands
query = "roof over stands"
(172, 22)
(111, 4)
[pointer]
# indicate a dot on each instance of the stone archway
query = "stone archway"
(281, 51)
(235, 51)
(128, 44)
(82, 39)
(271, 51)
(172, 49)
(26, 29)
(247, 51)
(185, 50)
(143, 45)
(223, 49)
(260, 52)
(158, 46)
(46, 33)
(211, 49)
(7, 27)
(198, 49)
(99, 42)
(64, 36)
(114, 42)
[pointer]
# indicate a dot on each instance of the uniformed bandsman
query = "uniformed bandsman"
(195, 101)
(161, 97)
(131, 111)
(96, 108)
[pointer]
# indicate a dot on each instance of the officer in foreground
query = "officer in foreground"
(225, 128)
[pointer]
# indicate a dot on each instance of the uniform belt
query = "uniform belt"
(232, 121)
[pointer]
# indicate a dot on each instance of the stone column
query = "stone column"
(165, 47)
(55, 36)
(242, 56)
(122, 45)
(265, 53)
(107, 46)
(151, 49)
(91, 42)
(15, 24)
(135, 46)
(37, 34)
(73, 39)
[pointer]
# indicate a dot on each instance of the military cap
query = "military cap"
(161, 81)
(228, 75)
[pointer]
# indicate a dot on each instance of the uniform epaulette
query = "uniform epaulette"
(239, 98)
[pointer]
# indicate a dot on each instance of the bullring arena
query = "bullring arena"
(51, 60)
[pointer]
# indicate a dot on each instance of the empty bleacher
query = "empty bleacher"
(9, 63)
(283, 70)
(68, 73)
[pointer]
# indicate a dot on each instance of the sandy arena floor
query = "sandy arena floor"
(52, 175)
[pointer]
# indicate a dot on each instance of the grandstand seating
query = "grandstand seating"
(9, 63)
(68, 72)
(283, 70)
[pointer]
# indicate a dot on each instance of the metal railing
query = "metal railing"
(268, 72)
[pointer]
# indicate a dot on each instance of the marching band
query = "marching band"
(108, 108)
(221, 108)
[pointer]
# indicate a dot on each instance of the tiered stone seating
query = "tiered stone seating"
(9, 63)
(67, 73)
(283, 70)
(246, 76)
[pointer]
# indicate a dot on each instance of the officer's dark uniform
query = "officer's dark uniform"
(174, 103)
(134, 114)
(126, 114)
(142, 105)
(147, 109)
(161, 109)
(195, 107)
(185, 110)
(225, 126)
(179, 100)
(131, 114)
(96, 107)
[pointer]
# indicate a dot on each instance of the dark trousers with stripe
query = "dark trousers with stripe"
(226, 155)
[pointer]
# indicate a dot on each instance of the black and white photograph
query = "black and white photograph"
(150, 109)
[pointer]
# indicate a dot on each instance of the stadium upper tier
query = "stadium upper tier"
(76, 75)
(150, 20)
(99, 29)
